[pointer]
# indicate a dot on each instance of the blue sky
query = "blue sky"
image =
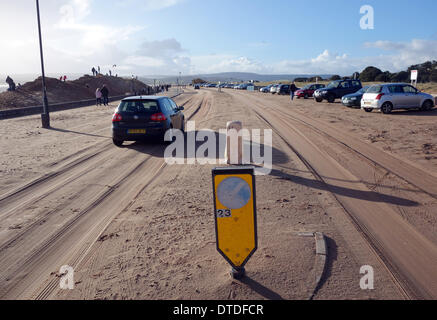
(147, 37)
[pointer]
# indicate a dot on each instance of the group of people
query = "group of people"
(64, 78)
(102, 96)
(95, 71)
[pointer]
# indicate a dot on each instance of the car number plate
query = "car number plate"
(136, 131)
(367, 103)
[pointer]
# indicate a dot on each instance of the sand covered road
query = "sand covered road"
(163, 245)
(391, 199)
(136, 228)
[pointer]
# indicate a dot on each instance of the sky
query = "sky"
(165, 37)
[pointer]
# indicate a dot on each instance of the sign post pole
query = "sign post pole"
(235, 215)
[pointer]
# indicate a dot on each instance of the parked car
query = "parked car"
(283, 89)
(392, 96)
(308, 91)
(196, 87)
(266, 89)
(139, 118)
(337, 89)
(273, 88)
(354, 99)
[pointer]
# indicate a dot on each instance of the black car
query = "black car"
(196, 87)
(337, 89)
(139, 118)
(283, 89)
(354, 99)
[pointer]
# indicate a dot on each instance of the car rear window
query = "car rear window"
(374, 89)
(139, 106)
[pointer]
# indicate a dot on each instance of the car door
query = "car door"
(343, 89)
(412, 99)
(178, 114)
(171, 113)
(396, 96)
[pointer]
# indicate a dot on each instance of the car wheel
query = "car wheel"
(319, 99)
(118, 143)
(427, 105)
(305, 96)
(331, 98)
(387, 108)
(368, 109)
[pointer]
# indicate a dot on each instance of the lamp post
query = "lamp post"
(45, 116)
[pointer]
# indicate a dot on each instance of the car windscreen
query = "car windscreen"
(139, 106)
(374, 89)
(333, 84)
(362, 90)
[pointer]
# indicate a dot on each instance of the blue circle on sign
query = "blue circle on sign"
(234, 193)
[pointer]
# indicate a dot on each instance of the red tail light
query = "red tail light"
(116, 117)
(158, 117)
(379, 96)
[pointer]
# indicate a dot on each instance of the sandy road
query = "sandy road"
(133, 227)
(54, 219)
(163, 245)
(359, 176)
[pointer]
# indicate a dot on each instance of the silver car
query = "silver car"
(391, 96)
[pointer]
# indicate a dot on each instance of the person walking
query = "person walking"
(98, 97)
(65, 78)
(293, 89)
(105, 95)
(93, 70)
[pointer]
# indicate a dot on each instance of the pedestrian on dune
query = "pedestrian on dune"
(105, 94)
(293, 89)
(93, 70)
(65, 78)
(11, 83)
(98, 97)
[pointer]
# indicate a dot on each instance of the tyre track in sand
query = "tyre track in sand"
(408, 254)
(30, 259)
(199, 108)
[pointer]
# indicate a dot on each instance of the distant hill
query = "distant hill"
(229, 77)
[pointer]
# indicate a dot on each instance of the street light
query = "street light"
(45, 116)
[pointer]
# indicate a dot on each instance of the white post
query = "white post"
(234, 142)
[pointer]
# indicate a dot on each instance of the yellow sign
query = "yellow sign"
(235, 214)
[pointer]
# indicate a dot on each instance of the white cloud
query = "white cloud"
(216, 63)
(159, 57)
(405, 54)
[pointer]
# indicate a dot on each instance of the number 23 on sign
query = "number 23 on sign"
(223, 213)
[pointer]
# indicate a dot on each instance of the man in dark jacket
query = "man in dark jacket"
(293, 89)
(11, 84)
(105, 95)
